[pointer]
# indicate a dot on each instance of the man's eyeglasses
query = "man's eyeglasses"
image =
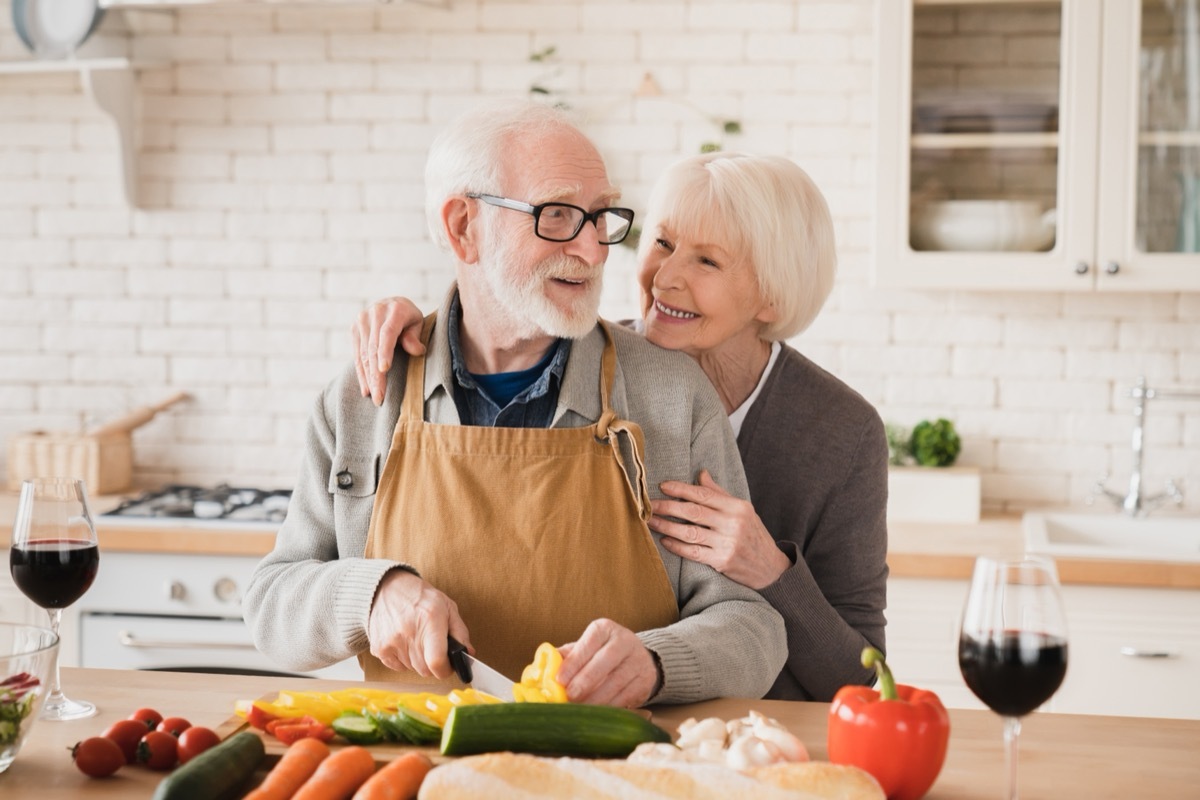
(562, 222)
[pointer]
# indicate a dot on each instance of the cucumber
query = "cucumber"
(357, 729)
(389, 725)
(566, 729)
(215, 773)
(419, 728)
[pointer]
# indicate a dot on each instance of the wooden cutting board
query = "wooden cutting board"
(383, 752)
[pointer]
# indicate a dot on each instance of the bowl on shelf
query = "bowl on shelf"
(982, 226)
(27, 654)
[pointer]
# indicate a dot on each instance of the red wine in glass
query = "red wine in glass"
(1013, 672)
(53, 560)
(54, 573)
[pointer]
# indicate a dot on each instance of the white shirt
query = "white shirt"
(739, 414)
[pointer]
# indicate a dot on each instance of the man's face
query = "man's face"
(548, 288)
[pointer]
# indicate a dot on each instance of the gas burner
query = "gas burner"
(221, 505)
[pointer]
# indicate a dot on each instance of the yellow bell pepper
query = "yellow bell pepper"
(539, 682)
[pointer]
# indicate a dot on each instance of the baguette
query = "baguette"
(515, 776)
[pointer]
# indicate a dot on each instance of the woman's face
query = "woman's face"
(698, 293)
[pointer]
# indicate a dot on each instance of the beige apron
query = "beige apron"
(533, 532)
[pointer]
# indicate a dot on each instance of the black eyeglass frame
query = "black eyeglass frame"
(536, 212)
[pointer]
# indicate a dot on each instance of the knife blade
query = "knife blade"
(477, 674)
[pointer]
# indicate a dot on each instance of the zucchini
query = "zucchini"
(215, 773)
(357, 728)
(566, 729)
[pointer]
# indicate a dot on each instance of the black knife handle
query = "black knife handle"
(458, 659)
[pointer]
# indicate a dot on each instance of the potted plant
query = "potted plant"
(923, 483)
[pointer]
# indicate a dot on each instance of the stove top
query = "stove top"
(200, 506)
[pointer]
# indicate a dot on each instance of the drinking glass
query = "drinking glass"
(1012, 646)
(54, 558)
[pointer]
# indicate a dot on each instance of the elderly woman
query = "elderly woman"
(736, 256)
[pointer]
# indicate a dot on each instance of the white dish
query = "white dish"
(982, 226)
(54, 29)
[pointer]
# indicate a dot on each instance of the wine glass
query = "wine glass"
(54, 559)
(1012, 647)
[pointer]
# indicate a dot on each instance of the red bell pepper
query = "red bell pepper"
(899, 734)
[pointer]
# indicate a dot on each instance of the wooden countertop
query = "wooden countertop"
(1061, 755)
(915, 550)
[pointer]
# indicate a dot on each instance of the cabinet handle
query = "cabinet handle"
(1112, 268)
(1139, 652)
(127, 639)
(1081, 268)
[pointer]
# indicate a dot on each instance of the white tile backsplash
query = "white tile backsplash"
(281, 154)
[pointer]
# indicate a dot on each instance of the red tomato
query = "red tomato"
(259, 718)
(173, 726)
(127, 733)
(98, 757)
(194, 741)
(158, 750)
(148, 716)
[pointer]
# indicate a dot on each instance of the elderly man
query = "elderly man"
(500, 495)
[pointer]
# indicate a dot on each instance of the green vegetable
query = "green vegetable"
(215, 773)
(16, 702)
(390, 727)
(567, 729)
(419, 728)
(357, 729)
(935, 444)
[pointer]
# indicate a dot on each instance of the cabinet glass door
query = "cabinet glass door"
(1168, 146)
(984, 157)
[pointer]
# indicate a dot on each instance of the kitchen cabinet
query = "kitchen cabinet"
(1130, 649)
(1045, 144)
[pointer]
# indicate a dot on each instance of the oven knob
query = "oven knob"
(226, 590)
(176, 590)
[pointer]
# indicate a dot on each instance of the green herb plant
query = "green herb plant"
(930, 444)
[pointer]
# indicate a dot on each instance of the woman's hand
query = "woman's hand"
(721, 531)
(375, 334)
(608, 666)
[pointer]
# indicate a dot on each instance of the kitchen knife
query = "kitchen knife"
(477, 674)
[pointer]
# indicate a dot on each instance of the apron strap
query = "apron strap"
(609, 429)
(412, 408)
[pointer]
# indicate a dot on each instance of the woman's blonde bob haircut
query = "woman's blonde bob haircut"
(764, 208)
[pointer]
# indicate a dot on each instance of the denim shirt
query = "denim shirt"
(533, 407)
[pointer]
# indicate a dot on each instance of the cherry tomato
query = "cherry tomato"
(148, 716)
(127, 733)
(194, 741)
(173, 726)
(158, 750)
(98, 757)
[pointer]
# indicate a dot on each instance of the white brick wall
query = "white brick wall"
(281, 159)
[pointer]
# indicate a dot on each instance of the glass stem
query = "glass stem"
(1012, 732)
(56, 696)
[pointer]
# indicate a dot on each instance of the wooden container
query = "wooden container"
(102, 457)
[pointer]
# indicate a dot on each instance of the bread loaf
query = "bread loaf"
(514, 776)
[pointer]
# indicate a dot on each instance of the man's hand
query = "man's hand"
(608, 666)
(409, 623)
(375, 333)
(722, 531)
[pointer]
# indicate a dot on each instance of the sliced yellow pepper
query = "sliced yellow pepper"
(539, 682)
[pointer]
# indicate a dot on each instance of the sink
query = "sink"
(1115, 536)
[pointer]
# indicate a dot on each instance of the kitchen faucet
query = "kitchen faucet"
(1133, 502)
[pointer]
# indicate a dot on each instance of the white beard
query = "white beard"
(530, 310)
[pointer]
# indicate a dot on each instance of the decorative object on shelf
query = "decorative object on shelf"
(923, 486)
(539, 87)
(982, 225)
(54, 29)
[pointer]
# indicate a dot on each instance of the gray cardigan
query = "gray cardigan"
(308, 602)
(816, 460)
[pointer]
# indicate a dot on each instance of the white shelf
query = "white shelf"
(109, 82)
(962, 141)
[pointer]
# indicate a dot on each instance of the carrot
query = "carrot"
(398, 780)
(339, 775)
(296, 766)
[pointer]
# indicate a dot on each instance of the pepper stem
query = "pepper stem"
(887, 684)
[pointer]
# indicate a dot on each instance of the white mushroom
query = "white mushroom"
(771, 731)
(709, 750)
(654, 752)
(749, 751)
(691, 732)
